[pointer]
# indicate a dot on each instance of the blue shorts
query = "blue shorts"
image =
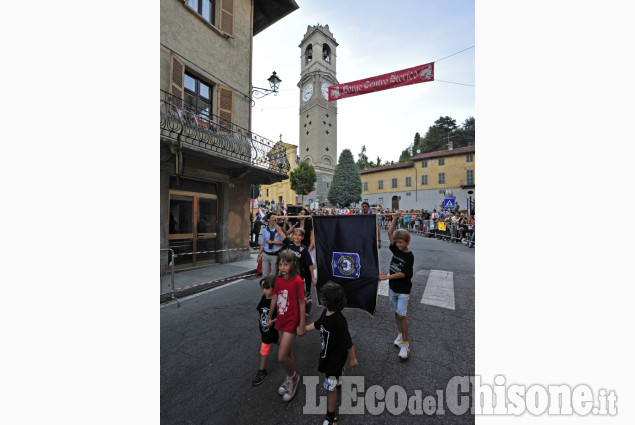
(398, 302)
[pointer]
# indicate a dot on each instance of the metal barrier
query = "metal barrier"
(171, 269)
(171, 266)
(448, 235)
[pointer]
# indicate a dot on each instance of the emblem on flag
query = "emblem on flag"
(346, 264)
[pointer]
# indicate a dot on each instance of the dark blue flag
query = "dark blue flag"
(346, 253)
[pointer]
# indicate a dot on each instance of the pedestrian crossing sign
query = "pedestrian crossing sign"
(448, 203)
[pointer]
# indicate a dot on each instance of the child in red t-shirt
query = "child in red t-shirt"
(288, 298)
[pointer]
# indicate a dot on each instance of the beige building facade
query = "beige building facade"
(209, 154)
(420, 184)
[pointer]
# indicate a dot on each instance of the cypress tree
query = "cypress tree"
(346, 187)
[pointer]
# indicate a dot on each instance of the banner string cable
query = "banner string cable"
(452, 82)
(455, 54)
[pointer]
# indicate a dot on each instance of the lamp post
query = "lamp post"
(259, 93)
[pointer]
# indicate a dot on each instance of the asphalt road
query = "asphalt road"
(210, 351)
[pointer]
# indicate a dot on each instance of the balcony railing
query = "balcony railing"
(467, 183)
(182, 122)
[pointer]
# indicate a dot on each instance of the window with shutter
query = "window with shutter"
(177, 72)
(227, 17)
(226, 106)
(205, 8)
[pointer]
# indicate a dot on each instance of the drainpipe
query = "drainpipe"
(416, 187)
(251, 58)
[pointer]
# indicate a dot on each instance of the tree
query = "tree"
(465, 134)
(346, 187)
(406, 154)
(303, 179)
(362, 161)
(438, 135)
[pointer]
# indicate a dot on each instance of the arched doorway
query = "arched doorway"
(395, 203)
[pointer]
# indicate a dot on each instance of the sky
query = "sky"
(374, 38)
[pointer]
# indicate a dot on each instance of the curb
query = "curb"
(204, 287)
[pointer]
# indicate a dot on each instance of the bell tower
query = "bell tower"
(318, 116)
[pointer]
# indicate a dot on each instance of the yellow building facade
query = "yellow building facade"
(281, 192)
(420, 184)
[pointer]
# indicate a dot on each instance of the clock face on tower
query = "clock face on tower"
(307, 92)
(325, 91)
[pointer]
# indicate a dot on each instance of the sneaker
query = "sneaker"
(398, 340)
(404, 352)
(329, 421)
(309, 304)
(293, 386)
(260, 376)
(285, 384)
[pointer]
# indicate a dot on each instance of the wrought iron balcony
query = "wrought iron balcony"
(182, 122)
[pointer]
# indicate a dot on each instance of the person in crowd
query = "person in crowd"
(435, 220)
(289, 302)
(270, 247)
(462, 227)
(471, 243)
(387, 219)
(366, 210)
(336, 344)
(447, 219)
(268, 334)
(405, 220)
(426, 223)
(400, 282)
(255, 230)
(455, 227)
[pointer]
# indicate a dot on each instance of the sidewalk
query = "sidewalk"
(190, 281)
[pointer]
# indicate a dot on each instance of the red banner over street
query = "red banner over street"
(405, 77)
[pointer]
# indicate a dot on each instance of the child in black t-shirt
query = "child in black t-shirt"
(400, 282)
(336, 343)
(268, 333)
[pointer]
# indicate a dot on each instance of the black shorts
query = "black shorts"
(333, 365)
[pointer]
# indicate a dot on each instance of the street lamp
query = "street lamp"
(259, 93)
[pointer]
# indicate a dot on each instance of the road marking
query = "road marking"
(439, 289)
(383, 287)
